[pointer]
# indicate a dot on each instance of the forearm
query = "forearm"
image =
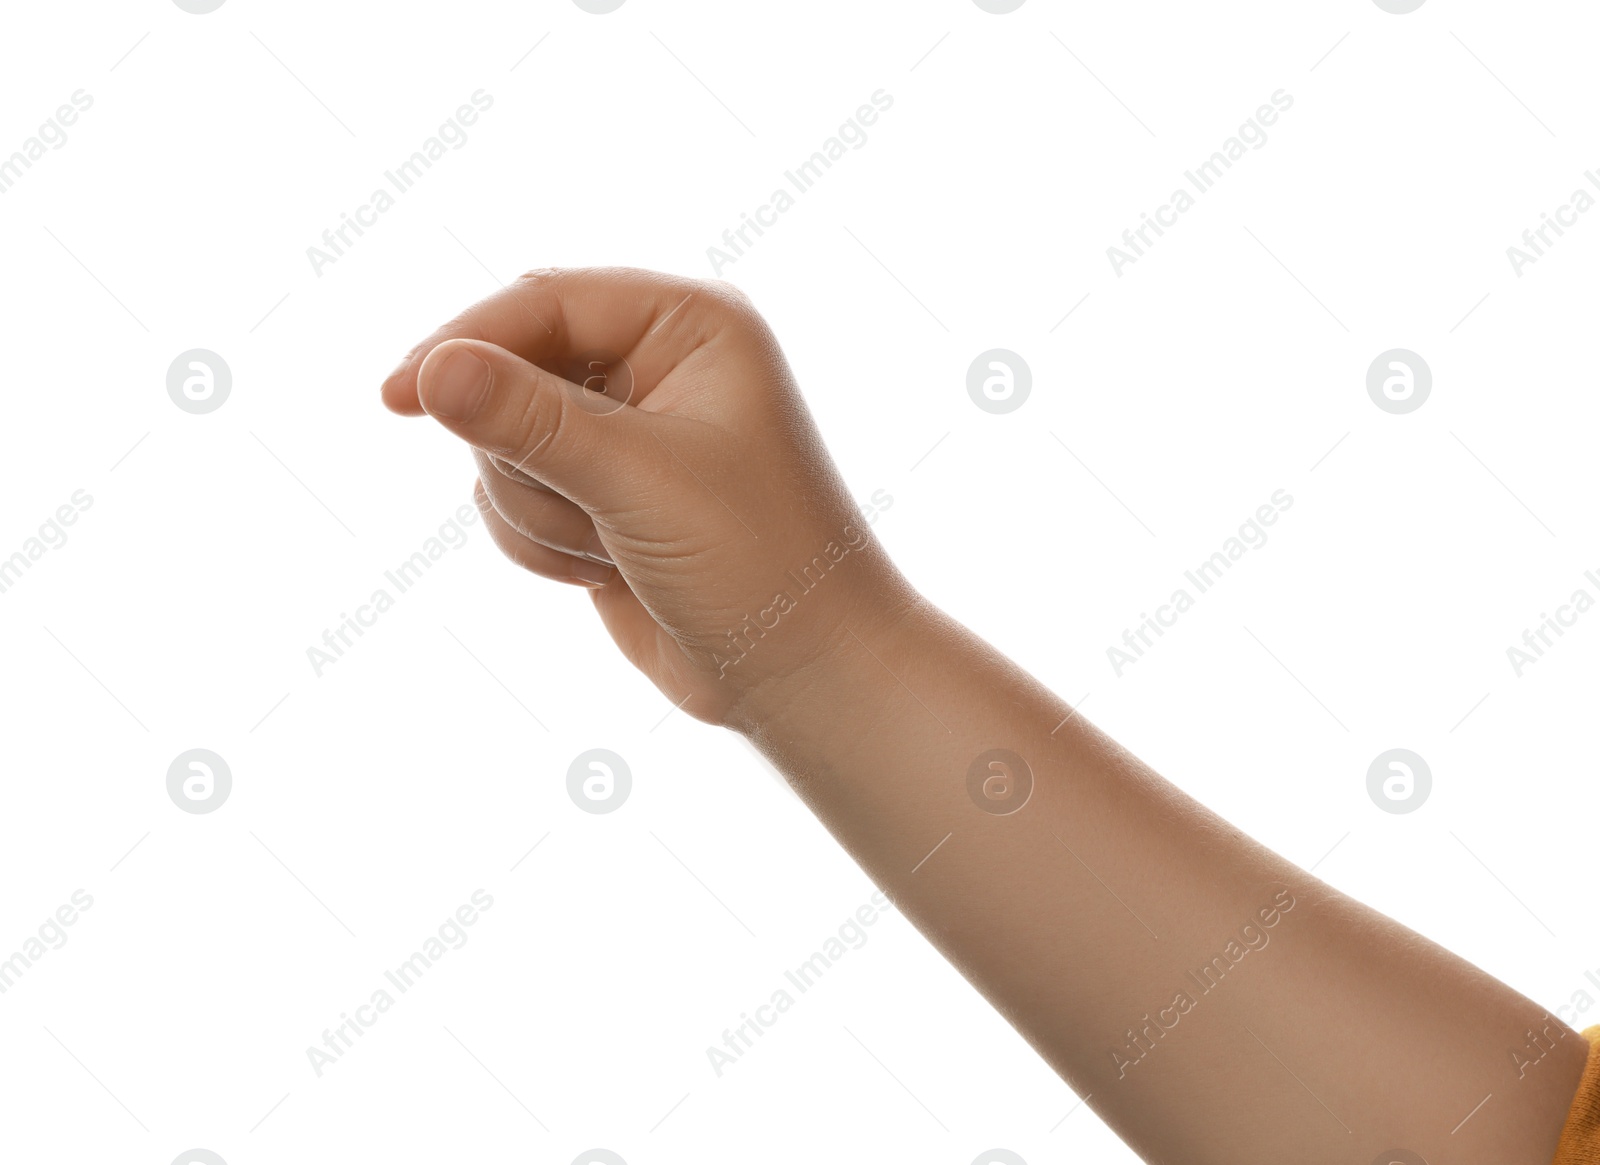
(1218, 1003)
(1089, 917)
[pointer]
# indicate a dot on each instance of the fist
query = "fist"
(641, 435)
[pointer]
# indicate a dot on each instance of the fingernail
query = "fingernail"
(597, 550)
(457, 385)
(591, 572)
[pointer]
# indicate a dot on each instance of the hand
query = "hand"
(642, 435)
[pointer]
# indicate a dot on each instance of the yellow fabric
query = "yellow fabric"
(1580, 1137)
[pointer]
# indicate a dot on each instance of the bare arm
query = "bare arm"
(1214, 1002)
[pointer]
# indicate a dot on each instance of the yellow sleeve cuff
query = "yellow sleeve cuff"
(1580, 1136)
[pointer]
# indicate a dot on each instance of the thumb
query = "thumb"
(579, 442)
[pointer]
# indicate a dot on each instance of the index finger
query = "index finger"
(551, 316)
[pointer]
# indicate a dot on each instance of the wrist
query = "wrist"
(834, 668)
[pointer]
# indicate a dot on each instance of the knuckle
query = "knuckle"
(733, 291)
(731, 296)
(461, 326)
(539, 422)
(538, 276)
(720, 306)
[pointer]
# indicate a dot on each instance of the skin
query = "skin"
(691, 493)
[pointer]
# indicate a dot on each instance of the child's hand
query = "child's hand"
(695, 469)
(1119, 925)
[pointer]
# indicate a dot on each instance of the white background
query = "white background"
(370, 802)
